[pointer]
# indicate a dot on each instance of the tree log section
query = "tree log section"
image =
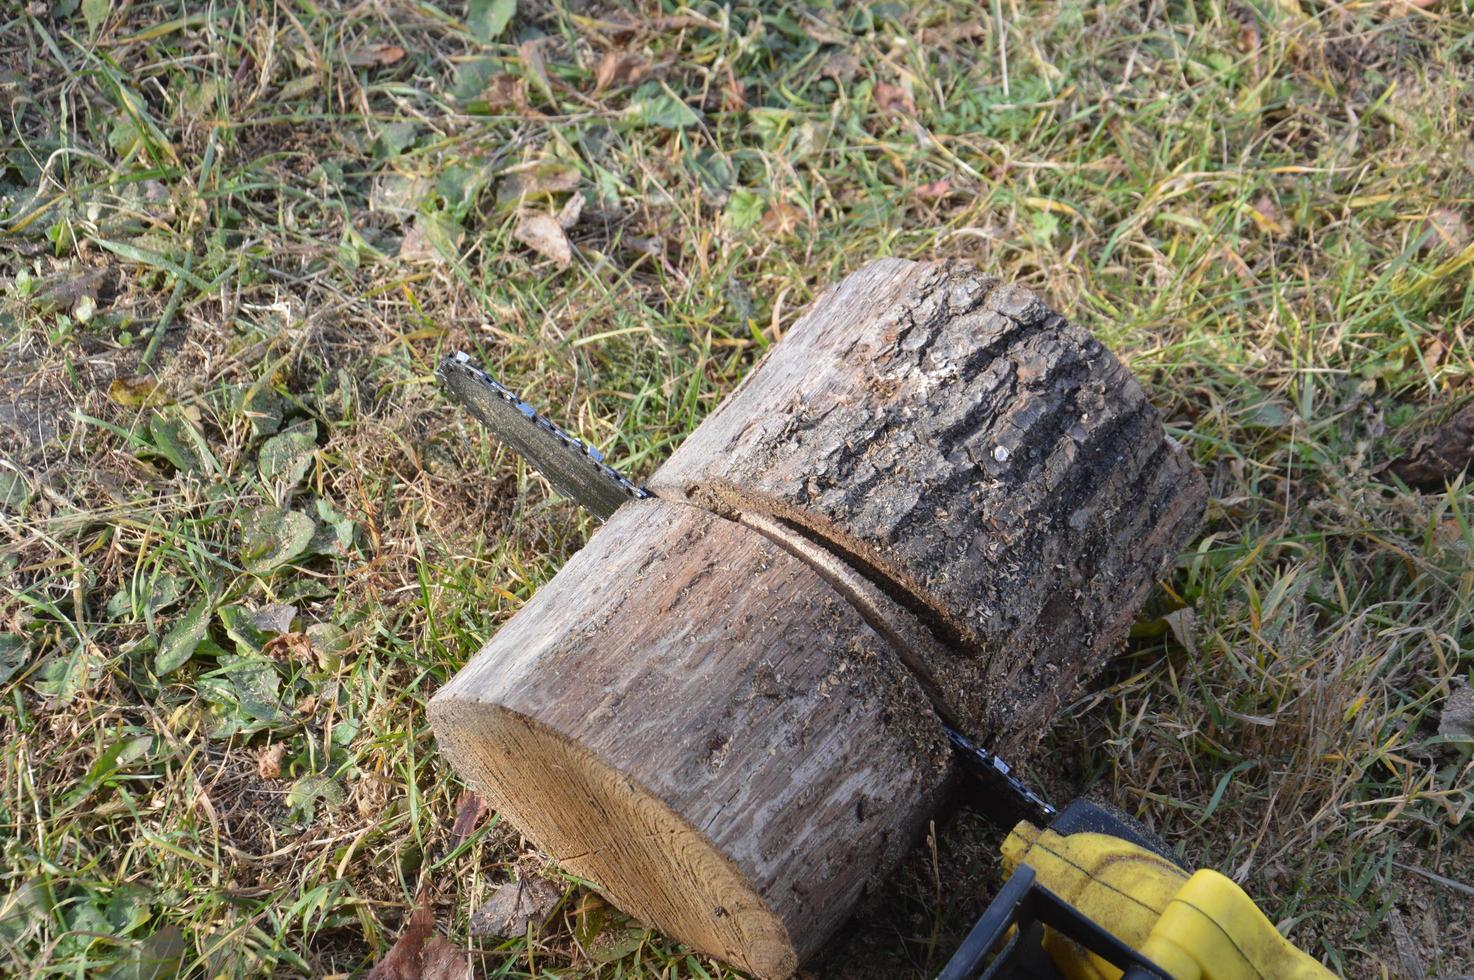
(990, 466)
(693, 718)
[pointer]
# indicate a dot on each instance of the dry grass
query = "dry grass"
(1264, 206)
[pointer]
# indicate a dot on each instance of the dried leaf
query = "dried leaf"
(618, 69)
(514, 906)
(1266, 215)
(268, 760)
(1450, 232)
(542, 179)
(504, 92)
(541, 232)
(569, 214)
(470, 811)
(842, 66)
(1438, 458)
(419, 954)
(377, 55)
(139, 392)
(894, 98)
(781, 218)
(934, 191)
(1457, 720)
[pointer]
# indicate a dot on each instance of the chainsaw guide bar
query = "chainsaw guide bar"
(575, 469)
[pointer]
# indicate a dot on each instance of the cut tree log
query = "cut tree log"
(934, 500)
(990, 466)
(689, 716)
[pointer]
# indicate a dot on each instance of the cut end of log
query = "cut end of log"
(604, 827)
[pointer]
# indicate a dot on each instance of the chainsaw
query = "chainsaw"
(1091, 892)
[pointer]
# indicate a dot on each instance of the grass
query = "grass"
(236, 237)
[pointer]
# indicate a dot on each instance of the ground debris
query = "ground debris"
(420, 954)
(1438, 457)
(514, 906)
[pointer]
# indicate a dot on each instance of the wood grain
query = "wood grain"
(693, 718)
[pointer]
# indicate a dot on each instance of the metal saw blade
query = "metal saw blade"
(575, 470)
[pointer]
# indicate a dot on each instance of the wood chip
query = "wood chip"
(514, 906)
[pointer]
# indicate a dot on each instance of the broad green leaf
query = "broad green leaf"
(653, 105)
(307, 791)
(176, 439)
(179, 643)
(393, 139)
(744, 209)
(240, 626)
(488, 18)
(64, 676)
(95, 12)
(286, 456)
(270, 538)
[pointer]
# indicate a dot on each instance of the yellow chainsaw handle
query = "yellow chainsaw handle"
(1195, 927)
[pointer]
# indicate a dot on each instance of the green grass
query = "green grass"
(202, 209)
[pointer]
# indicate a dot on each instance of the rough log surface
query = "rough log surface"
(693, 718)
(990, 466)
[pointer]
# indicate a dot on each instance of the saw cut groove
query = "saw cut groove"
(990, 467)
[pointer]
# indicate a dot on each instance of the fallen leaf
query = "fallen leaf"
(1437, 458)
(139, 392)
(969, 30)
(571, 211)
(274, 618)
(1457, 720)
(934, 191)
(514, 906)
(1449, 229)
(289, 648)
(894, 98)
(620, 68)
(1266, 215)
(470, 811)
(378, 55)
(268, 760)
(538, 180)
(541, 232)
(842, 66)
(431, 238)
(506, 92)
(419, 954)
(781, 218)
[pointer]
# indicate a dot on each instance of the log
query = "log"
(934, 501)
(689, 716)
(990, 466)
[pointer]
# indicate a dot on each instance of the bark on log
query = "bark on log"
(990, 466)
(934, 499)
(689, 716)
